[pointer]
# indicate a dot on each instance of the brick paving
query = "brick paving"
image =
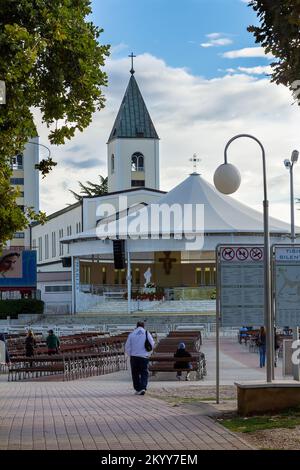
(102, 413)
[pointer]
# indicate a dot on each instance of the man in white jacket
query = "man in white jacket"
(135, 348)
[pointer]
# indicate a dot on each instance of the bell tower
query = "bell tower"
(133, 144)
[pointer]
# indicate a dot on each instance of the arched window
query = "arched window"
(112, 163)
(137, 162)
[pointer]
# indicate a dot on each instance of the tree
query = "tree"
(50, 59)
(93, 189)
(279, 34)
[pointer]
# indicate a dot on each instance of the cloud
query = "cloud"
(247, 52)
(216, 40)
(117, 48)
(191, 115)
(258, 70)
(90, 163)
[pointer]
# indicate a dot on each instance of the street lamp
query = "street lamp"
(227, 180)
(289, 164)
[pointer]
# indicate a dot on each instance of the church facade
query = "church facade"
(71, 255)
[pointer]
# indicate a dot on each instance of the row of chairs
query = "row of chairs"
(99, 357)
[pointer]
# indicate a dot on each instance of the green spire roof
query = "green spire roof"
(133, 119)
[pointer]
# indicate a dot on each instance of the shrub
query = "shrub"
(15, 307)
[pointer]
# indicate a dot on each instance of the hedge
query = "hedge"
(13, 308)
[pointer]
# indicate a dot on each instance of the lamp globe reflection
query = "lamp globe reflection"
(227, 178)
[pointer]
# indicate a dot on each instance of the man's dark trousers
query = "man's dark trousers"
(139, 372)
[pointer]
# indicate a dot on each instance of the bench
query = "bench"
(75, 360)
(165, 363)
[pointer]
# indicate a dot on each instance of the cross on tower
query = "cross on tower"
(132, 69)
(195, 161)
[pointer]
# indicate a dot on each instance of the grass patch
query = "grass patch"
(288, 419)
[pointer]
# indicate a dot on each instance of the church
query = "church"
(77, 257)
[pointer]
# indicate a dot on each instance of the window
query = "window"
(61, 246)
(112, 163)
(86, 274)
(19, 235)
(198, 276)
(103, 275)
(34, 244)
(69, 233)
(137, 183)
(40, 248)
(207, 277)
(16, 181)
(17, 162)
(78, 227)
(46, 246)
(58, 288)
(137, 162)
(137, 276)
(53, 244)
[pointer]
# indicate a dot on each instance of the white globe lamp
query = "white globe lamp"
(227, 178)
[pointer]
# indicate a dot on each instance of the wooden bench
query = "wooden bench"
(166, 362)
(183, 335)
(99, 356)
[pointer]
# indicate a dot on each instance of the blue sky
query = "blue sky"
(204, 80)
(175, 29)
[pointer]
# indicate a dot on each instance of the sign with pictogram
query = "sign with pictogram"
(256, 254)
(240, 271)
(242, 254)
(228, 254)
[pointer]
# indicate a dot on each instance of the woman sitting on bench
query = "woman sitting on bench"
(182, 352)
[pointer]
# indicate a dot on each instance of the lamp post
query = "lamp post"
(227, 180)
(289, 164)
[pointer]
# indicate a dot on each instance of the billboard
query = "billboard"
(17, 269)
(286, 263)
(241, 284)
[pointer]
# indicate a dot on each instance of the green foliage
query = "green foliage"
(278, 33)
(15, 307)
(91, 189)
(286, 419)
(51, 59)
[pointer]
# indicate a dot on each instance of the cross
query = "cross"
(132, 69)
(167, 262)
(195, 161)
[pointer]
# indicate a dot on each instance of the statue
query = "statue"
(147, 276)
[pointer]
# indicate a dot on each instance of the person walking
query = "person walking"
(135, 348)
(52, 343)
(30, 344)
(182, 352)
(261, 342)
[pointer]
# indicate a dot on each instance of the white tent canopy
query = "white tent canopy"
(222, 215)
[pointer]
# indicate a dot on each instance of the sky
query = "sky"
(204, 80)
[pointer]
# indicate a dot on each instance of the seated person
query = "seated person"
(243, 334)
(182, 352)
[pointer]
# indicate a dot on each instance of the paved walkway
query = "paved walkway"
(103, 413)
